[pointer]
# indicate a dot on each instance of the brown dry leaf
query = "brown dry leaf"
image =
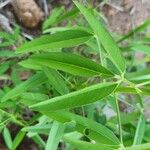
(28, 12)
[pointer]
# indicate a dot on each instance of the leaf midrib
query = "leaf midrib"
(72, 65)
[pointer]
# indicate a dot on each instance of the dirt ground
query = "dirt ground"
(124, 15)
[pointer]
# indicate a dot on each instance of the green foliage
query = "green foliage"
(62, 39)
(19, 137)
(55, 136)
(104, 38)
(70, 63)
(77, 98)
(74, 99)
(7, 137)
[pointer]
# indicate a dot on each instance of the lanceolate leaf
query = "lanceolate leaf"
(62, 39)
(19, 137)
(140, 47)
(139, 76)
(137, 29)
(29, 98)
(7, 137)
(55, 136)
(104, 37)
(53, 17)
(29, 64)
(34, 81)
(144, 90)
(96, 131)
(145, 146)
(78, 98)
(139, 131)
(39, 141)
(56, 80)
(70, 63)
(87, 146)
(126, 118)
(40, 129)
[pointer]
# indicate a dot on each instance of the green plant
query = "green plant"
(63, 93)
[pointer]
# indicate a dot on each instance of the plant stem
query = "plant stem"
(118, 118)
(100, 51)
(137, 90)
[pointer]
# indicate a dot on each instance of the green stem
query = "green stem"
(100, 51)
(144, 83)
(138, 91)
(118, 118)
(132, 85)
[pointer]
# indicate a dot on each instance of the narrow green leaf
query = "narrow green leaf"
(118, 118)
(92, 45)
(85, 145)
(56, 80)
(141, 48)
(56, 29)
(29, 98)
(104, 37)
(7, 137)
(68, 15)
(19, 137)
(96, 131)
(40, 129)
(70, 63)
(63, 17)
(139, 75)
(60, 29)
(39, 141)
(134, 31)
(30, 65)
(55, 136)
(145, 146)
(9, 39)
(4, 67)
(52, 19)
(78, 98)
(34, 81)
(126, 117)
(144, 90)
(139, 131)
(7, 53)
(62, 39)
(147, 132)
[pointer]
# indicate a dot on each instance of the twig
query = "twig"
(45, 7)
(3, 4)
(119, 118)
(4, 24)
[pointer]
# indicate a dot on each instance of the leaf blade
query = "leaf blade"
(104, 135)
(62, 39)
(7, 138)
(19, 137)
(70, 63)
(87, 146)
(104, 37)
(139, 131)
(78, 98)
(55, 135)
(35, 80)
(56, 80)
